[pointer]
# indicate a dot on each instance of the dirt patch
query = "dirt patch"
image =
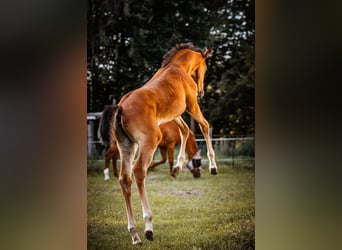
(183, 193)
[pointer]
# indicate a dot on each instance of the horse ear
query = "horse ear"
(208, 53)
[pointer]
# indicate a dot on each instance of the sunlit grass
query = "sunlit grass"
(212, 212)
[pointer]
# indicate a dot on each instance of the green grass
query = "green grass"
(212, 212)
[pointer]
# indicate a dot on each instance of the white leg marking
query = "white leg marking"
(106, 174)
(148, 222)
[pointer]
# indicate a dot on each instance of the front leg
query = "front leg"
(204, 126)
(196, 113)
(184, 134)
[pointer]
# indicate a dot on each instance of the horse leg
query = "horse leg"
(196, 113)
(170, 151)
(184, 133)
(144, 159)
(106, 167)
(114, 160)
(163, 155)
(127, 152)
(115, 170)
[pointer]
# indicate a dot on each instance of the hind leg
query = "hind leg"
(170, 151)
(111, 154)
(114, 159)
(106, 167)
(127, 151)
(163, 155)
(115, 170)
(147, 149)
(184, 133)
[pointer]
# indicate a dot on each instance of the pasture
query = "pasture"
(212, 212)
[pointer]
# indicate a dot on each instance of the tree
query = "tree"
(127, 39)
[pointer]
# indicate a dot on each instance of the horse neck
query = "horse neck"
(186, 60)
(191, 146)
(156, 75)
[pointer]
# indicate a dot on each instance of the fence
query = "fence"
(228, 151)
(231, 151)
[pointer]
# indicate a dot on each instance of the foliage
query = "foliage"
(127, 39)
(212, 212)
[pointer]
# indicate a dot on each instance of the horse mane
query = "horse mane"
(167, 57)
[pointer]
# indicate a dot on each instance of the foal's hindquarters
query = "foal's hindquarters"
(135, 127)
(146, 137)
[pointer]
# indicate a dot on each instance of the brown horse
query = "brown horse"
(135, 121)
(170, 139)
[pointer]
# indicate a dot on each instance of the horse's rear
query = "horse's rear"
(137, 126)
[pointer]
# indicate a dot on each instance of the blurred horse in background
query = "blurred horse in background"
(134, 123)
(170, 139)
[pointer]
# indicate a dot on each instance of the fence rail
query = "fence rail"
(232, 151)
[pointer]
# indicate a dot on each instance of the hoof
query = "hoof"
(213, 171)
(149, 235)
(175, 171)
(135, 237)
(137, 241)
(197, 175)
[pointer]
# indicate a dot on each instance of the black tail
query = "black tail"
(106, 127)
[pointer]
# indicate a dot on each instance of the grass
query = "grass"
(212, 212)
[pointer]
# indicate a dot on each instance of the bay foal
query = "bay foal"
(134, 122)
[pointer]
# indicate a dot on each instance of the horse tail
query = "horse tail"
(119, 126)
(106, 129)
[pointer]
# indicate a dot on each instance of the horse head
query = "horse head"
(199, 72)
(192, 59)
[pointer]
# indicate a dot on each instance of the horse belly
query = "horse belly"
(170, 114)
(165, 120)
(170, 111)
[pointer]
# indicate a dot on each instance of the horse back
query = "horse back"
(151, 105)
(163, 98)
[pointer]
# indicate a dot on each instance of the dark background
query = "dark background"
(127, 41)
(43, 125)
